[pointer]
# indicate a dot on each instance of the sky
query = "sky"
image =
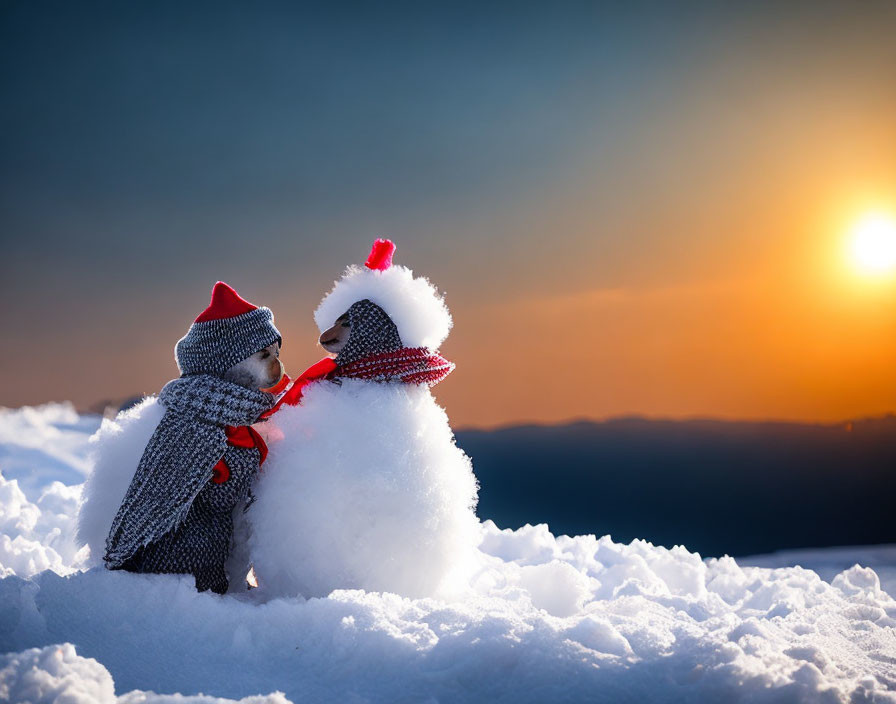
(633, 208)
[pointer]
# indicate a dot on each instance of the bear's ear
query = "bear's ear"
(380, 257)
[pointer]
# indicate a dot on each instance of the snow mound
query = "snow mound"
(58, 675)
(38, 536)
(829, 562)
(116, 450)
(366, 490)
(414, 304)
(625, 623)
(52, 437)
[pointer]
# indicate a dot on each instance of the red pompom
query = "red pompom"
(225, 303)
(380, 257)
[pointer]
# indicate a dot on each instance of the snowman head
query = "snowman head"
(363, 330)
(381, 307)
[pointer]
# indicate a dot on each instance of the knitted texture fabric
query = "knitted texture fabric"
(372, 332)
(214, 346)
(409, 365)
(173, 518)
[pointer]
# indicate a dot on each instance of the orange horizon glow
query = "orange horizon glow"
(795, 333)
(804, 337)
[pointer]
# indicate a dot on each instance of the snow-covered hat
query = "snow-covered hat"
(414, 304)
(227, 332)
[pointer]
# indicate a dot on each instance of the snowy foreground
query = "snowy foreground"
(542, 619)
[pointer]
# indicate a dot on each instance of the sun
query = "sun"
(872, 243)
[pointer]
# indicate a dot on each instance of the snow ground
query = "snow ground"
(544, 618)
(829, 562)
(45, 444)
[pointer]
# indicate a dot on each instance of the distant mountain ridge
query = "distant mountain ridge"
(717, 486)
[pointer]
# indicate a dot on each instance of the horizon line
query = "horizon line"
(112, 409)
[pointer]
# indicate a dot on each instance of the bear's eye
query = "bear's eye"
(346, 324)
(265, 354)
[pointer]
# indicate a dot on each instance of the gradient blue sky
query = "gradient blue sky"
(576, 176)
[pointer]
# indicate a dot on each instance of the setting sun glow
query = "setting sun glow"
(873, 243)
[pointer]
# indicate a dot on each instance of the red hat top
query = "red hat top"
(380, 257)
(225, 303)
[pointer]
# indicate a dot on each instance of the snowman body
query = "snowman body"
(366, 490)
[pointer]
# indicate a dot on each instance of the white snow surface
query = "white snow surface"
(829, 562)
(57, 674)
(44, 458)
(414, 304)
(50, 439)
(540, 618)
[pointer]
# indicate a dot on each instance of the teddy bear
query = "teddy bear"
(199, 463)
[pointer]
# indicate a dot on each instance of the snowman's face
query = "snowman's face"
(260, 371)
(334, 339)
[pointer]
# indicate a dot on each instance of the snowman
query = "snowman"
(366, 489)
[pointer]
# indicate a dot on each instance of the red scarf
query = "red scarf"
(410, 365)
(239, 436)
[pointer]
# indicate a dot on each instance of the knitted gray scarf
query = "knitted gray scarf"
(177, 465)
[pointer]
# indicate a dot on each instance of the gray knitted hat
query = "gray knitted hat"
(372, 332)
(227, 332)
